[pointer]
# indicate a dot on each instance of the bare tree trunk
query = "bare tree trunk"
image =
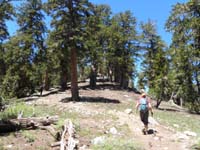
(181, 102)
(63, 80)
(46, 80)
(74, 83)
(158, 103)
(67, 139)
(93, 77)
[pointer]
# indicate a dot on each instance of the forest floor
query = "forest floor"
(105, 118)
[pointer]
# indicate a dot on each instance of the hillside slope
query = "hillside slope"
(105, 118)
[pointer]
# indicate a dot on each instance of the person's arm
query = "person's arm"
(150, 106)
(137, 105)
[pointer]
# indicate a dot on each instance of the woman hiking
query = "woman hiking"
(144, 106)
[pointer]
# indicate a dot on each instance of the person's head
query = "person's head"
(143, 95)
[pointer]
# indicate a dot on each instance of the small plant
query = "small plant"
(13, 110)
(1, 147)
(185, 122)
(117, 144)
(30, 137)
(196, 146)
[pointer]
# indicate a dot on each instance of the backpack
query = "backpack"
(143, 104)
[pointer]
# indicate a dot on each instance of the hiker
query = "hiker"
(144, 106)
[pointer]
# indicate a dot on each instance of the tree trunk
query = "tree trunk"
(124, 79)
(158, 103)
(64, 80)
(46, 80)
(93, 75)
(117, 74)
(74, 83)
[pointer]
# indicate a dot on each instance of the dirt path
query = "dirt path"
(163, 139)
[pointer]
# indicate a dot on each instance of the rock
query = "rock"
(98, 140)
(142, 91)
(84, 147)
(189, 133)
(182, 136)
(126, 96)
(9, 146)
(128, 111)
(156, 138)
(113, 130)
(176, 125)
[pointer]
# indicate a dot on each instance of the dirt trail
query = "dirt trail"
(163, 139)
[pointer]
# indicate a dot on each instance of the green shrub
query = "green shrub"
(194, 107)
(13, 110)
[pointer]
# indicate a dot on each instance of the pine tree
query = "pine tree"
(155, 64)
(25, 51)
(95, 42)
(184, 23)
(122, 47)
(71, 17)
(7, 12)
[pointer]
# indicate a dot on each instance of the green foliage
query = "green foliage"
(194, 107)
(29, 137)
(17, 81)
(184, 121)
(121, 48)
(117, 144)
(184, 51)
(7, 12)
(25, 53)
(13, 110)
(155, 64)
(3, 101)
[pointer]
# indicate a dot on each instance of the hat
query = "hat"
(143, 94)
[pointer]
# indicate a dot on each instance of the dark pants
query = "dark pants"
(144, 116)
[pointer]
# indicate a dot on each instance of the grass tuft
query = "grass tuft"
(117, 144)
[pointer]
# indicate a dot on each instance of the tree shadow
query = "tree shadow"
(111, 86)
(37, 96)
(91, 100)
(6, 127)
(30, 99)
(101, 87)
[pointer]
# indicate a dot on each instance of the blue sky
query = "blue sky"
(156, 10)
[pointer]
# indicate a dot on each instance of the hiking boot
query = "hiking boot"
(144, 131)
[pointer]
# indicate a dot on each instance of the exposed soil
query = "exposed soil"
(100, 110)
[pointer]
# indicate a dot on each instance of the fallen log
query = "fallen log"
(67, 139)
(26, 123)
